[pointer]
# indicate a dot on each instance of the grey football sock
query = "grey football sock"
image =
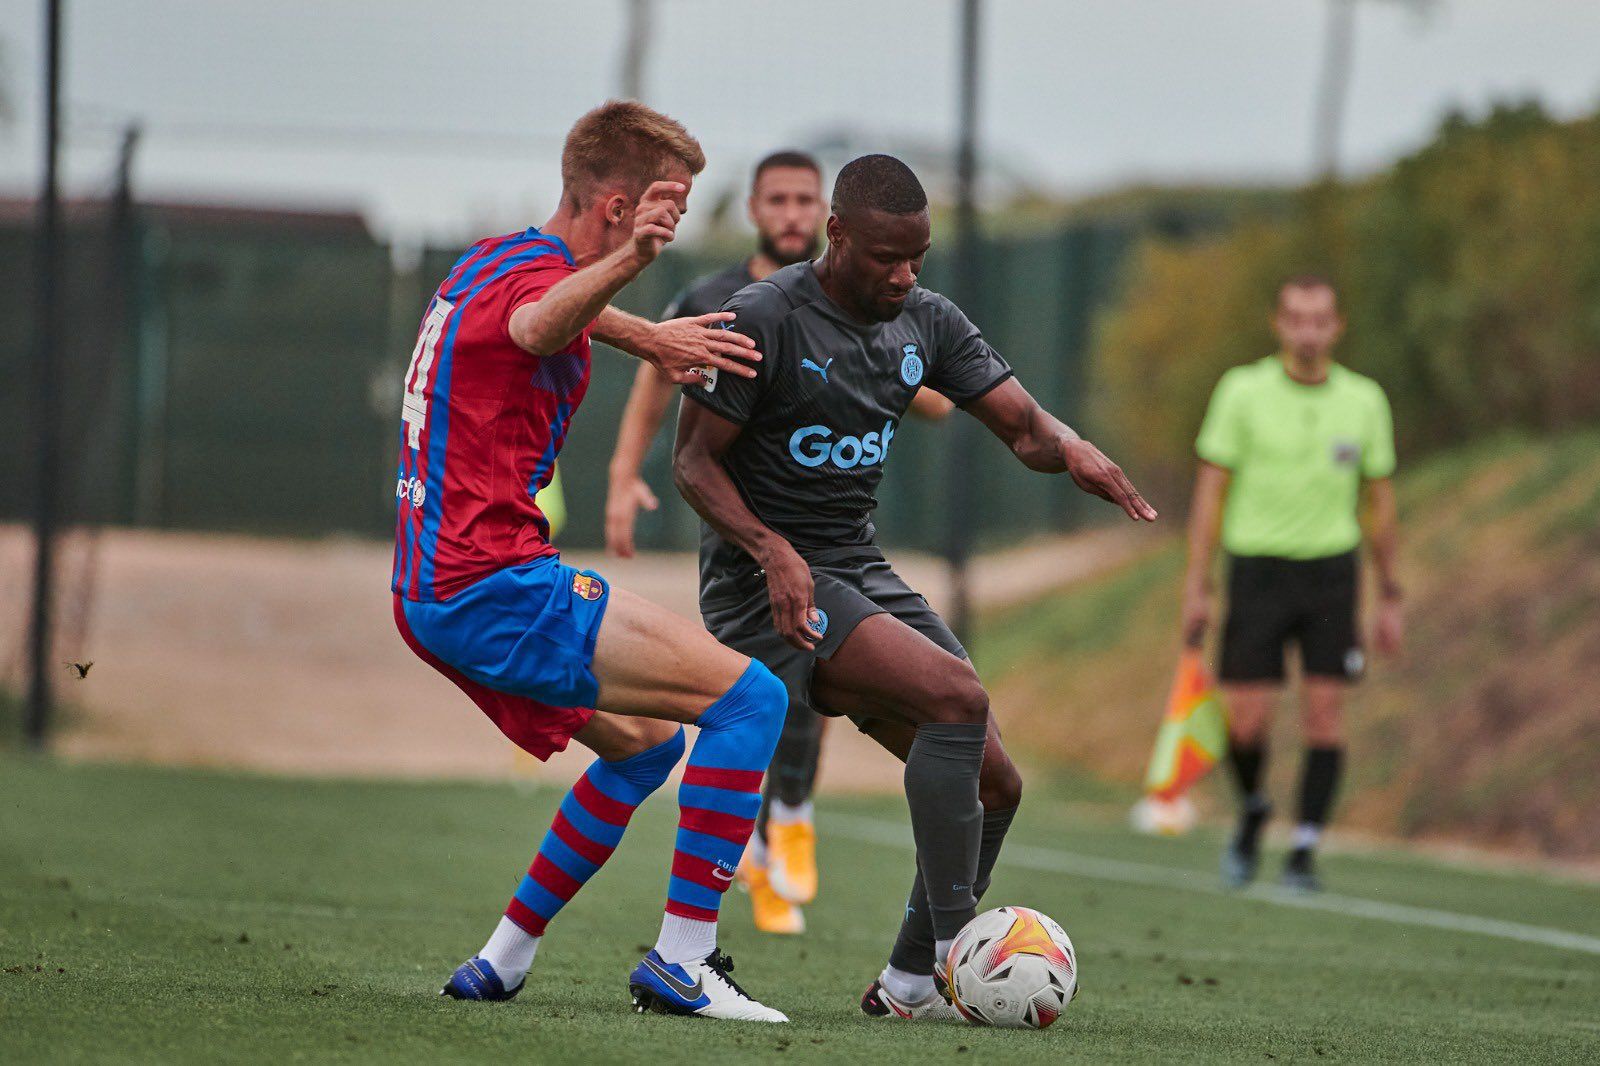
(913, 947)
(946, 818)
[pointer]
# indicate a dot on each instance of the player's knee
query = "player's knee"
(802, 725)
(959, 699)
(1247, 733)
(1323, 732)
(757, 702)
(1000, 786)
(656, 752)
(1323, 724)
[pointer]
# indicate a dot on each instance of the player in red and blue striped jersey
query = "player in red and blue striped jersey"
(550, 653)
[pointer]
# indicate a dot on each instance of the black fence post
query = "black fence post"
(47, 395)
(961, 478)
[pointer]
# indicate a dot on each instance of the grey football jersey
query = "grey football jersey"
(708, 292)
(820, 416)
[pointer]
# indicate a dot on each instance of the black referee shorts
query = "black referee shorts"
(1274, 602)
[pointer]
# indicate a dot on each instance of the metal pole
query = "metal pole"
(46, 392)
(635, 50)
(126, 283)
(967, 293)
(1334, 87)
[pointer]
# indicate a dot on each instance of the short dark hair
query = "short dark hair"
(786, 157)
(880, 182)
(1308, 281)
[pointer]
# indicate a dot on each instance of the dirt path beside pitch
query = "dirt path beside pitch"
(282, 656)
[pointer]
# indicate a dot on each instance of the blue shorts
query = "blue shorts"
(527, 631)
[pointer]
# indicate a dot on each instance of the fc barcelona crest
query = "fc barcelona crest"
(586, 587)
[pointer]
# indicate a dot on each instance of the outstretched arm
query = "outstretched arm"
(1046, 444)
(679, 347)
(549, 324)
(626, 490)
(703, 439)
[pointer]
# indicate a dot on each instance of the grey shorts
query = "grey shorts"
(847, 591)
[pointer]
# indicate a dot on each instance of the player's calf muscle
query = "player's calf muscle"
(615, 736)
(999, 783)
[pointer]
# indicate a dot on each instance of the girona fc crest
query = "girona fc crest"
(587, 587)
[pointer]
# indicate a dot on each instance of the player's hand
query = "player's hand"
(681, 348)
(1099, 476)
(623, 500)
(1196, 615)
(793, 595)
(655, 220)
(1389, 629)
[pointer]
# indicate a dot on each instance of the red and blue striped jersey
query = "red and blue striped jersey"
(482, 421)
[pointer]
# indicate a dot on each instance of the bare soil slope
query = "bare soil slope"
(1488, 730)
(282, 656)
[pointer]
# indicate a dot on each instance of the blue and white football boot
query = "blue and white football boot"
(700, 989)
(476, 979)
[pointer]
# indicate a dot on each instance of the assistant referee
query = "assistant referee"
(1289, 445)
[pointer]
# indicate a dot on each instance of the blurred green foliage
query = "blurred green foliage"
(1469, 272)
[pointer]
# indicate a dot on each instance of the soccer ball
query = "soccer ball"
(1014, 968)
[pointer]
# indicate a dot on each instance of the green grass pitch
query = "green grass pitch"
(153, 915)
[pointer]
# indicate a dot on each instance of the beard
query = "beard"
(769, 248)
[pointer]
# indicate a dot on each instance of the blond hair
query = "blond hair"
(624, 144)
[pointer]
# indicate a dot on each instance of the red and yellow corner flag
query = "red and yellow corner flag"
(1193, 734)
(1192, 737)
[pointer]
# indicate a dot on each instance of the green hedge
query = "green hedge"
(1470, 273)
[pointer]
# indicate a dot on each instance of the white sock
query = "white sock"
(941, 949)
(755, 852)
(906, 987)
(685, 939)
(510, 951)
(784, 814)
(1307, 835)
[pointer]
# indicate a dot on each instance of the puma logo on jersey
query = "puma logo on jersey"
(822, 370)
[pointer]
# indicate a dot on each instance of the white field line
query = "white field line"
(1051, 860)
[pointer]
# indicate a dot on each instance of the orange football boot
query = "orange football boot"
(772, 913)
(792, 860)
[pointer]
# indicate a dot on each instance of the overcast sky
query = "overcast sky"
(443, 117)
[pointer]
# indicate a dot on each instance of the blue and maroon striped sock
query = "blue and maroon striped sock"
(587, 829)
(717, 805)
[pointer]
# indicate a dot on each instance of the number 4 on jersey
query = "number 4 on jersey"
(414, 410)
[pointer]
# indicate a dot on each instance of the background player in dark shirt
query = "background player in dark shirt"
(787, 207)
(783, 468)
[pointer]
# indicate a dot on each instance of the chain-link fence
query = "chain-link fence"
(240, 370)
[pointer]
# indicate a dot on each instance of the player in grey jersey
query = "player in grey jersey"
(787, 206)
(783, 468)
